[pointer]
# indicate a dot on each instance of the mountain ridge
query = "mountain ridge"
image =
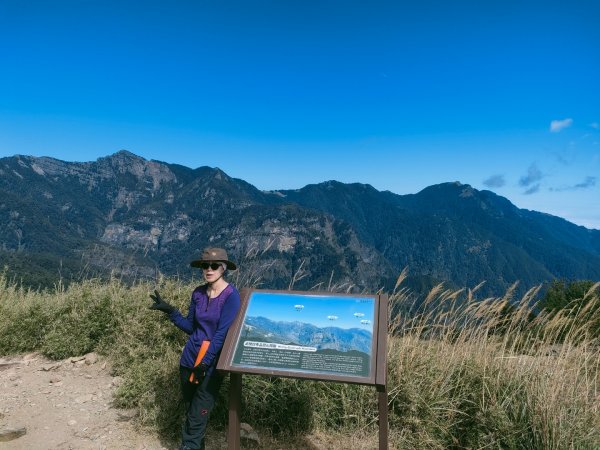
(306, 334)
(136, 218)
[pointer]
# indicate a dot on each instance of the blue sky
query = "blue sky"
(502, 95)
(330, 311)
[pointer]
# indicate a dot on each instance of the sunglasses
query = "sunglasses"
(213, 266)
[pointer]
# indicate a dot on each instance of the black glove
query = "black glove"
(200, 372)
(160, 304)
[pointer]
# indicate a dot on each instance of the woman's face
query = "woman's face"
(213, 272)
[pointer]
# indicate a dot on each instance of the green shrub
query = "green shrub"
(83, 323)
(575, 302)
(25, 318)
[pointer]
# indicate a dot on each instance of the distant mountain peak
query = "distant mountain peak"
(125, 152)
(451, 189)
(330, 185)
(220, 175)
(448, 185)
(126, 162)
(124, 156)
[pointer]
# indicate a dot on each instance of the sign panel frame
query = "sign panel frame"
(254, 355)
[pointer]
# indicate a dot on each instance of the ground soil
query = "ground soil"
(67, 404)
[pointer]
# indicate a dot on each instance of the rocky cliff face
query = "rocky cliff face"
(136, 218)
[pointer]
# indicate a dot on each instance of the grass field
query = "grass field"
(463, 372)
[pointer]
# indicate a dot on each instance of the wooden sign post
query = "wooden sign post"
(308, 335)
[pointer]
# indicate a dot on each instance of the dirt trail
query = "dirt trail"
(64, 405)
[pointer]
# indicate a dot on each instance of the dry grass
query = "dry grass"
(489, 374)
(463, 372)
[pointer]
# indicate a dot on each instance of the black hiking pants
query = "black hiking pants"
(199, 400)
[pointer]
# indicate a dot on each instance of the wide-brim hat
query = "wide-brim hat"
(214, 254)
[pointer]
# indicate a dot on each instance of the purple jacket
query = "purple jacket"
(207, 320)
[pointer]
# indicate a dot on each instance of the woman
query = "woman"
(212, 310)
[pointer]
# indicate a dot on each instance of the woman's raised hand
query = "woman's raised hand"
(160, 304)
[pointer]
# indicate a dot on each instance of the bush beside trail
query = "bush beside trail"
(462, 372)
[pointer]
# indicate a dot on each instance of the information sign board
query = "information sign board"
(321, 336)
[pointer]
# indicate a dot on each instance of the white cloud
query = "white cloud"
(589, 182)
(533, 189)
(558, 125)
(595, 125)
(495, 181)
(534, 174)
